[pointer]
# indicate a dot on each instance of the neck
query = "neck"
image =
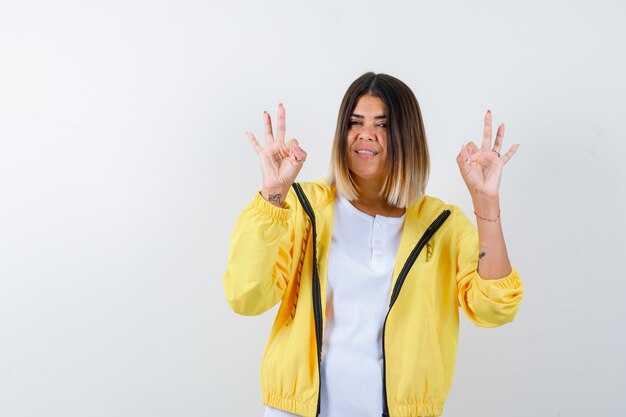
(370, 202)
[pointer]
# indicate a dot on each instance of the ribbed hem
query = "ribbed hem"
(415, 409)
(290, 404)
(269, 210)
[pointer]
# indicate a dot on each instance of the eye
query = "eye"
(354, 122)
(382, 124)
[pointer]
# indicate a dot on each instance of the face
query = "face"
(367, 141)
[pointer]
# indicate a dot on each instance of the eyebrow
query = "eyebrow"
(360, 116)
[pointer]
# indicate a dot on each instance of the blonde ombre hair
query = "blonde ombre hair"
(408, 163)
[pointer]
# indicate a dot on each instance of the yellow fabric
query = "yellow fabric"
(270, 261)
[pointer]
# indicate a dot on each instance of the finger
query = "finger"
(255, 143)
(472, 147)
(487, 131)
(300, 154)
(505, 158)
(470, 154)
(288, 148)
(298, 157)
(474, 156)
(499, 135)
(295, 149)
(269, 135)
(461, 159)
(281, 125)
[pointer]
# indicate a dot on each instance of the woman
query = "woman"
(369, 271)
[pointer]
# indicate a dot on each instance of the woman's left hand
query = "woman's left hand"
(481, 168)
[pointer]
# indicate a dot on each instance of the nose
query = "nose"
(367, 133)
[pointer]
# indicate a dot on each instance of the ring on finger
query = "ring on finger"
(497, 153)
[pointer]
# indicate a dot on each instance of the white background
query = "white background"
(124, 164)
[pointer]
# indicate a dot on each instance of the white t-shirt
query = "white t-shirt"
(360, 266)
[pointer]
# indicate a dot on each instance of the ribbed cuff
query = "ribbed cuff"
(501, 288)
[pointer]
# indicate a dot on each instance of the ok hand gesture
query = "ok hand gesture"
(280, 162)
(481, 168)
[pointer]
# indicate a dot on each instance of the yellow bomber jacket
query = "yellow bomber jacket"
(271, 260)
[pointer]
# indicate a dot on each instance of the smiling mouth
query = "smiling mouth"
(364, 152)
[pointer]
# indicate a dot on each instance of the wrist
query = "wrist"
(275, 196)
(488, 207)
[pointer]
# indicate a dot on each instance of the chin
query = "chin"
(367, 175)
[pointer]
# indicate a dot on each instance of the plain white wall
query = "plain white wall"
(124, 164)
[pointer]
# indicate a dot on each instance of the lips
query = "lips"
(366, 153)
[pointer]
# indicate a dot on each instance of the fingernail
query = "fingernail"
(280, 104)
(488, 111)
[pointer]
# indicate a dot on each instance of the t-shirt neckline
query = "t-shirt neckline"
(389, 220)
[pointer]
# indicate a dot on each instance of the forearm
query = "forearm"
(259, 260)
(494, 261)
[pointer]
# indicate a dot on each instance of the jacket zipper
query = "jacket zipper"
(430, 231)
(316, 290)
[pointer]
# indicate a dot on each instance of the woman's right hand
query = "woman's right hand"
(280, 162)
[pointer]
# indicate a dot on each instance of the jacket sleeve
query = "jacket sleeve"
(487, 303)
(260, 257)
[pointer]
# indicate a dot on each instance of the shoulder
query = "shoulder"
(428, 208)
(319, 193)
